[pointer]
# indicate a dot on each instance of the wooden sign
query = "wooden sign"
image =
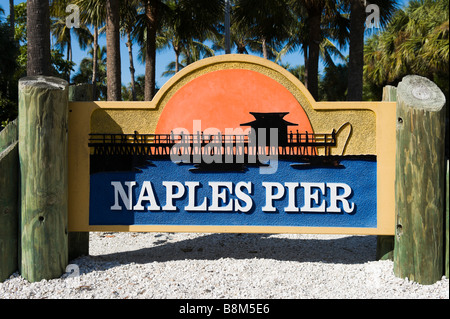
(233, 143)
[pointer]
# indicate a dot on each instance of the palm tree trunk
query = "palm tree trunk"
(305, 54)
(38, 38)
(69, 53)
(227, 27)
(113, 66)
(356, 51)
(150, 52)
(177, 59)
(11, 17)
(313, 53)
(264, 47)
(130, 54)
(95, 64)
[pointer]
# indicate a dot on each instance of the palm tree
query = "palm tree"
(298, 71)
(11, 17)
(93, 12)
(244, 40)
(38, 37)
(128, 12)
(189, 53)
(139, 89)
(84, 75)
(227, 26)
(416, 41)
(356, 50)
(332, 28)
(318, 12)
(151, 22)
(113, 65)
(189, 19)
(267, 20)
(332, 86)
(63, 33)
(9, 75)
(188, 25)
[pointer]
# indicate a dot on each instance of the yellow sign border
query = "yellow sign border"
(79, 128)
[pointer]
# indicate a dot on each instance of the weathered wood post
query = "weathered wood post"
(79, 241)
(447, 222)
(385, 244)
(43, 147)
(419, 181)
(9, 189)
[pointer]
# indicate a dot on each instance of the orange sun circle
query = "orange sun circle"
(224, 99)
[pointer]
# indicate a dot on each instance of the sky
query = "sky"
(163, 57)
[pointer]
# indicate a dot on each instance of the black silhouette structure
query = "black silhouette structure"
(268, 121)
(118, 152)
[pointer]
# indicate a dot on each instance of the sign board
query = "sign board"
(232, 143)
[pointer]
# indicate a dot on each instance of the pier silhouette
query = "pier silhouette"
(260, 140)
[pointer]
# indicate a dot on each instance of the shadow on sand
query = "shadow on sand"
(329, 249)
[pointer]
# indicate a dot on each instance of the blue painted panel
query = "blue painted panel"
(359, 175)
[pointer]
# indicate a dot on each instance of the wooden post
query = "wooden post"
(43, 147)
(79, 241)
(447, 222)
(419, 181)
(385, 244)
(8, 135)
(9, 186)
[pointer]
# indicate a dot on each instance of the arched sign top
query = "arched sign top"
(225, 99)
(236, 61)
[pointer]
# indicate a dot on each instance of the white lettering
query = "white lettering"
(191, 205)
(170, 195)
(292, 208)
(270, 196)
(335, 198)
(216, 196)
(126, 199)
(147, 188)
(227, 197)
(244, 197)
(313, 196)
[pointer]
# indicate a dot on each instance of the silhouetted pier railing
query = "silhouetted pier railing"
(163, 144)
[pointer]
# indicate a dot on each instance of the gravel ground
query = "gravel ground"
(213, 266)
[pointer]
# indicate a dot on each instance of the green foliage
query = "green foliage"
(414, 42)
(139, 87)
(333, 85)
(13, 54)
(8, 75)
(84, 74)
(298, 71)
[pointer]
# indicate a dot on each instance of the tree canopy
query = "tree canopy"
(331, 56)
